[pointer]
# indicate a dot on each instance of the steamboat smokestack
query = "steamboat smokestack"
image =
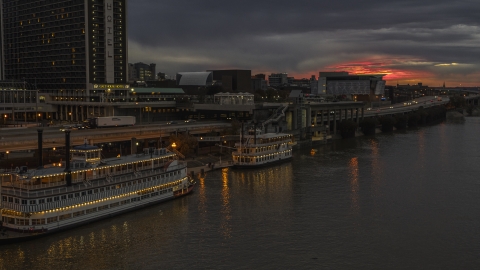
(68, 177)
(40, 148)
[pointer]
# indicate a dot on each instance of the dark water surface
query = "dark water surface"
(402, 201)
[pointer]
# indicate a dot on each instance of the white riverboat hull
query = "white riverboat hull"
(11, 235)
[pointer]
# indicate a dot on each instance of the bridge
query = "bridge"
(26, 138)
(302, 120)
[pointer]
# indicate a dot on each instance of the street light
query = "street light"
(8, 152)
(174, 145)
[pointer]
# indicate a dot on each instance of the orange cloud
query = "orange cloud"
(388, 66)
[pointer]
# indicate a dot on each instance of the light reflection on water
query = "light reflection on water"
(403, 201)
(354, 183)
(226, 210)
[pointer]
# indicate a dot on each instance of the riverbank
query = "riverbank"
(196, 166)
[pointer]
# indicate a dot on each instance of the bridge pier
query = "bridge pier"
(335, 121)
(309, 117)
(356, 116)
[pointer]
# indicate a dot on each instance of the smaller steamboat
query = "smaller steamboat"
(257, 149)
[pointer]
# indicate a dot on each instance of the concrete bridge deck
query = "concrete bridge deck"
(26, 139)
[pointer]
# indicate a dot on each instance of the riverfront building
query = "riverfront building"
(352, 85)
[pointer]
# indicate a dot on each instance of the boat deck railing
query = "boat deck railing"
(99, 195)
(255, 145)
(19, 187)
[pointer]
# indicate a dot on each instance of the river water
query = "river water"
(408, 200)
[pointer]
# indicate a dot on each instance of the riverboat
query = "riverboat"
(86, 187)
(260, 149)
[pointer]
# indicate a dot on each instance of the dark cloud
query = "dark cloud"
(303, 37)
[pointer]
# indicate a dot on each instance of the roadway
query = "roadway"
(14, 139)
(26, 138)
(407, 106)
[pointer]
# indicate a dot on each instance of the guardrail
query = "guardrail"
(78, 137)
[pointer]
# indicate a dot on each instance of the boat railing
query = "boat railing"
(250, 145)
(107, 194)
(25, 190)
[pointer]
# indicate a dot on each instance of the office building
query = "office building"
(233, 80)
(74, 51)
(343, 83)
(259, 84)
(277, 79)
(141, 72)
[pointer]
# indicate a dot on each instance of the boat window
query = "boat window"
(17, 200)
(21, 221)
(65, 216)
(77, 195)
(56, 198)
(70, 196)
(52, 220)
(33, 201)
(38, 221)
(64, 197)
(10, 199)
(24, 201)
(49, 199)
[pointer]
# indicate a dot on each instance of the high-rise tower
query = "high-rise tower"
(75, 50)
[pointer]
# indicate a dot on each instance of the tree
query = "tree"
(271, 94)
(259, 95)
(457, 101)
(234, 129)
(185, 143)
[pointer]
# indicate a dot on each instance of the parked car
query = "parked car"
(190, 121)
(171, 122)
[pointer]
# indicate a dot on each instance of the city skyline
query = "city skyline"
(411, 41)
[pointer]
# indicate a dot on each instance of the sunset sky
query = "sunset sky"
(428, 41)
